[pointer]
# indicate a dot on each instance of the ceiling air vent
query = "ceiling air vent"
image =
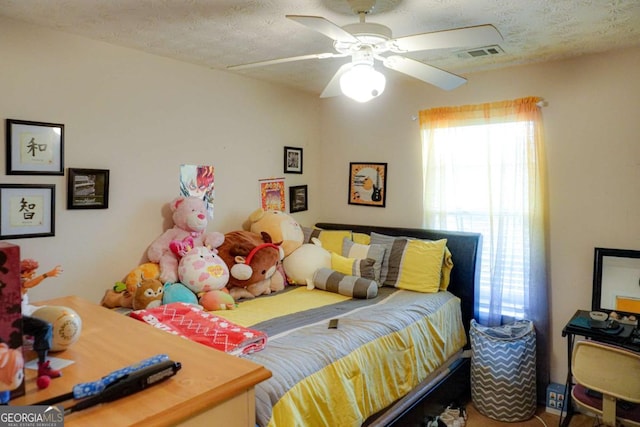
(481, 51)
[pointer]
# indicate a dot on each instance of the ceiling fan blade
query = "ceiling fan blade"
(421, 71)
(481, 35)
(333, 87)
(284, 60)
(324, 26)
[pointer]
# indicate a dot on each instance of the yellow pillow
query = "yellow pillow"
(421, 266)
(353, 266)
(362, 238)
(447, 266)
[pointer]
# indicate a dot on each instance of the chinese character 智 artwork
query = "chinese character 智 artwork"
(27, 211)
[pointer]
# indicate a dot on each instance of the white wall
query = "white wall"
(141, 117)
(593, 152)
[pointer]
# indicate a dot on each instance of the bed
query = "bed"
(387, 353)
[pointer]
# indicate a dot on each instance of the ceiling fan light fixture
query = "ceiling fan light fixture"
(362, 83)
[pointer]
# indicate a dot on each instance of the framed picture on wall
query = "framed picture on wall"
(367, 184)
(292, 160)
(298, 198)
(87, 189)
(34, 148)
(27, 210)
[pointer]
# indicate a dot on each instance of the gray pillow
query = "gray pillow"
(350, 286)
(375, 252)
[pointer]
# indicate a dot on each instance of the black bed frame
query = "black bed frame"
(454, 385)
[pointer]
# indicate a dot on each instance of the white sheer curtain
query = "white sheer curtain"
(484, 171)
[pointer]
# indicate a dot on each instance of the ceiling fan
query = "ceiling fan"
(366, 42)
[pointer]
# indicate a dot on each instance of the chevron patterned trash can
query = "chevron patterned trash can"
(503, 370)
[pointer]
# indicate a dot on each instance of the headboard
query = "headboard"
(465, 250)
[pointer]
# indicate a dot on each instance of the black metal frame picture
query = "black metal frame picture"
(87, 188)
(292, 160)
(298, 198)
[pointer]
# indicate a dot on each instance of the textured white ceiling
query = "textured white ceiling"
(219, 33)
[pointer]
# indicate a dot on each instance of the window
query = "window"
(483, 172)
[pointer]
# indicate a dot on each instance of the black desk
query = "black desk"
(624, 336)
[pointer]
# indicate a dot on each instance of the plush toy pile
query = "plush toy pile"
(189, 264)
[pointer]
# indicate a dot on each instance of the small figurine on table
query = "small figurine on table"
(11, 372)
(40, 330)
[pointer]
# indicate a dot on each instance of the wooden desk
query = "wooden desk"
(211, 385)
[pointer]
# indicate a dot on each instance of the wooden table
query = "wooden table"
(212, 388)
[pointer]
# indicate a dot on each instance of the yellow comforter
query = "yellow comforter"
(382, 349)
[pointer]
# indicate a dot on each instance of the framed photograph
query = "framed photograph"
(87, 189)
(292, 160)
(298, 198)
(34, 148)
(367, 184)
(27, 210)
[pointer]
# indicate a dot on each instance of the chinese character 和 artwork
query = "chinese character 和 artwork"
(34, 148)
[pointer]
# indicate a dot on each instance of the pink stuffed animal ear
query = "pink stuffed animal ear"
(181, 247)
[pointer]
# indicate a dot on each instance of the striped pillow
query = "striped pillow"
(351, 286)
(411, 264)
(356, 250)
(331, 239)
(353, 266)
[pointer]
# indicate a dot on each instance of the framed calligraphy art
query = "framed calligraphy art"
(27, 210)
(34, 148)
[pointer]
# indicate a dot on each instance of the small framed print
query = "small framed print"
(34, 148)
(298, 198)
(27, 211)
(368, 184)
(292, 160)
(87, 189)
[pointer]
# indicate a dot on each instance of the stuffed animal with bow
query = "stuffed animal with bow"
(190, 219)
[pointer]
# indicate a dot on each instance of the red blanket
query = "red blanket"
(204, 327)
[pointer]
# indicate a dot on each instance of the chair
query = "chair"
(607, 382)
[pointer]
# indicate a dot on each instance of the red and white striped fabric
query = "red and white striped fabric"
(191, 322)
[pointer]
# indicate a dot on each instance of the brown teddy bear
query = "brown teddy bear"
(253, 261)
